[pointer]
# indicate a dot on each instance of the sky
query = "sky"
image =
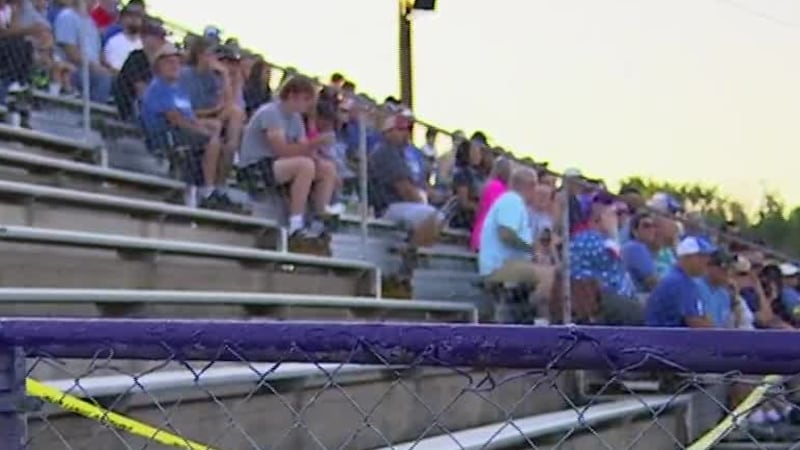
(683, 90)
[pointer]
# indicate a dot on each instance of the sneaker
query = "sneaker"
(336, 209)
(316, 229)
(220, 201)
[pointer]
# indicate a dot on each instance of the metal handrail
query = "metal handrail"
(35, 295)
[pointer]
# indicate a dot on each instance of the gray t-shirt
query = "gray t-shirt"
(29, 15)
(204, 87)
(268, 117)
(79, 30)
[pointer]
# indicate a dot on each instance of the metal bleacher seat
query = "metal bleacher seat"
(37, 257)
(149, 303)
(504, 435)
(42, 206)
(49, 144)
(29, 167)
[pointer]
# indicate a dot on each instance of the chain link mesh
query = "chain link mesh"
(303, 400)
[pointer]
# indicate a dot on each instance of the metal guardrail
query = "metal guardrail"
(31, 295)
(502, 435)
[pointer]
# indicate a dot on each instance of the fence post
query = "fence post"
(85, 77)
(13, 422)
(362, 178)
(566, 306)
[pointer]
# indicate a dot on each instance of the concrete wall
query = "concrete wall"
(366, 411)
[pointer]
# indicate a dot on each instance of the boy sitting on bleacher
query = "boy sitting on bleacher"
(276, 152)
(170, 123)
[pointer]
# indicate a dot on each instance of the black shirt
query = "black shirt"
(136, 69)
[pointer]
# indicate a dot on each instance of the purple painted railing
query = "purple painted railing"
(615, 350)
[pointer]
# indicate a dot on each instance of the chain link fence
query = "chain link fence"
(249, 385)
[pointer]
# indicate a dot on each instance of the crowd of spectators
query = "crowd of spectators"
(627, 254)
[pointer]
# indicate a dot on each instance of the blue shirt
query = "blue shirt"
(159, 98)
(203, 87)
(78, 30)
(416, 164)
(790, 299)
(639, 262)
(595, 256)
(508, 211)
(675, 298)
(716, 302)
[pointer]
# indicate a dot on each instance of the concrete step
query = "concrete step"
(21, 166)
(47, 258)
(68, 209)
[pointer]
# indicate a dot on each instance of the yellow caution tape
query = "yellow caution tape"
(748, 404)
(83, 408)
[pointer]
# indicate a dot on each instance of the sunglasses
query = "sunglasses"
(647, 225)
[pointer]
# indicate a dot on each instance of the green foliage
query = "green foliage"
(774, 223)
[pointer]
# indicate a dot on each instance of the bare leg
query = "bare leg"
(298, 171)
(324, 184)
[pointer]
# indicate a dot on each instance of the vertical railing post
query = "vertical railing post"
(13, 421)
(83, 41)
(362, 179)
(566, 306)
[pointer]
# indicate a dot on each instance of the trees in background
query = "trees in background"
(774, 223)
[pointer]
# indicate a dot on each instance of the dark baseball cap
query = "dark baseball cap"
(133, 8)
(228, 53)
(720, 258)
(154, 28)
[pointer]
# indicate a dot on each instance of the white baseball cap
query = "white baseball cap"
(694, 246)
(789, 270)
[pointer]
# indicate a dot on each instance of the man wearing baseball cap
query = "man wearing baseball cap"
(676, 301)
(392, 191)
(169, 121)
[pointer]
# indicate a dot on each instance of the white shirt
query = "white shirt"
(5, 16)
(119, 47)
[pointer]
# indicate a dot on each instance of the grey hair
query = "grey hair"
(523, 175)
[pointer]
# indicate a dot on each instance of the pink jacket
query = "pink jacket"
(491, 192)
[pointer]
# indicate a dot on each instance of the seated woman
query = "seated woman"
(467, 185)
(495, 187)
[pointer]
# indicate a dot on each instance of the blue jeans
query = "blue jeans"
(99, 85)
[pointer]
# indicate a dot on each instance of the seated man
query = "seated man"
(78, 38)
(603, 292)
(275, 151)
(715, 290)
(392, 191)
(676, 300)
(639, 252)
(169, 121)
(507, 243)
(211, 90)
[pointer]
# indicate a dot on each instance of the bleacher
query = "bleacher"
(82, 235)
